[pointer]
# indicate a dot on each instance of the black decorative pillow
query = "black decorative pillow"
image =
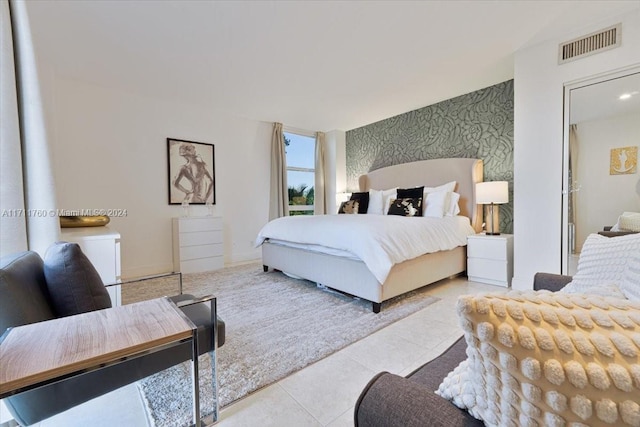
(406, 207)
(349, 207)
(411, 193)
(73, 282)
(363, 201)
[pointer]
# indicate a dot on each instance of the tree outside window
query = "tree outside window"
(300, 151)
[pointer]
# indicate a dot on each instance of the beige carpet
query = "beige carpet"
(276, 325)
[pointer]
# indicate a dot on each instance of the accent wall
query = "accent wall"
(476, 125)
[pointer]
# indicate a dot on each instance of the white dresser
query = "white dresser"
(102, 246)
(490, 259)
(197, 244)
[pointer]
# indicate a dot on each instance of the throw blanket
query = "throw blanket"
(380, 241)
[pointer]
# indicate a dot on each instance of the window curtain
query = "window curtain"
(27, 196)
(320, 196)
(279, 196)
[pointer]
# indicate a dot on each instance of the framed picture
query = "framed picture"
(623, 160)
(191, 172)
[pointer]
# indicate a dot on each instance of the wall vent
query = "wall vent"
(597, 42)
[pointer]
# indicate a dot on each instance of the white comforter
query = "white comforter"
(380, 241)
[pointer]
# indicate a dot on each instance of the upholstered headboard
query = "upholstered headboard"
(431, 173)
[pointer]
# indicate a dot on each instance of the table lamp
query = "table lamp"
(492, 193)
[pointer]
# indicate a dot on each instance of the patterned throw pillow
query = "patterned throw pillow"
(548, 359)
(363, 201)
(406, 207)
(411, 193)
(349, 207)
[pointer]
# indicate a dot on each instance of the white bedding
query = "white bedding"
(380, 241)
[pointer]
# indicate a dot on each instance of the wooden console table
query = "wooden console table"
(41, 353)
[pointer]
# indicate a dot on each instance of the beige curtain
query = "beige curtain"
(279, 196)
(573, 172)
(320, 196)
(27, 185)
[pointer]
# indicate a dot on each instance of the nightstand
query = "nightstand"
(490, 259)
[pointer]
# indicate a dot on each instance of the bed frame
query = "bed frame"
(352, 276)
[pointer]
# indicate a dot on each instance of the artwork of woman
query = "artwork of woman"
(193, 178)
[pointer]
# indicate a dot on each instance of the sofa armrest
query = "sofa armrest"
(393, 401)
(550, 282)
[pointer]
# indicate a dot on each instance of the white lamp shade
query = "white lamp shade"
(496, 192)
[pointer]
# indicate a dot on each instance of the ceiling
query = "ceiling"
(602, 100)
(315, 65)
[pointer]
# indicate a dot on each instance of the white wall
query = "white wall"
(109, 152)
(538, 140)
(603, 197)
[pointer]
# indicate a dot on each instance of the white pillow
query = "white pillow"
(449, 186)
(377, 200)
(628, 221)
(603, 260)
(436, 204)
(630, 285)
(454, 209)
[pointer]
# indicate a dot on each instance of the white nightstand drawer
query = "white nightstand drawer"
(488, 269)
(488, 248)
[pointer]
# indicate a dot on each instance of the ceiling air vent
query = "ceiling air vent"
(597, 42)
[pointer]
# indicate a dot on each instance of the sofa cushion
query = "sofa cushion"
(550, 359)
(393, 401)
(73, 282)
(24, 296)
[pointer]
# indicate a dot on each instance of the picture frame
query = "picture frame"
(623, 161)
(191, 172)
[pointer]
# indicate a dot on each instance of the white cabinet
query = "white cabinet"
(490, 259)
(102, 246)
(197, 244)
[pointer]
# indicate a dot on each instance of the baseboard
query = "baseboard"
(147, 270)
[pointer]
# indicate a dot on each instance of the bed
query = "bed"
(349, 274)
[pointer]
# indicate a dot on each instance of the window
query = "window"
(300, 149)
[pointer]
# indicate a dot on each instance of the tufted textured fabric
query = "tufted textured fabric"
(544, 359)
(630, 285)
(604, 262)
(628, 221)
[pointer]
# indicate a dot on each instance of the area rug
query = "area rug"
(275, 325)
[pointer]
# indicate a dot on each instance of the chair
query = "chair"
(25, 298)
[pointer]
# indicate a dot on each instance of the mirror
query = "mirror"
(601, 177)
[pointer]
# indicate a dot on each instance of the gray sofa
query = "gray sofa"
(25, 298)
(390, 400)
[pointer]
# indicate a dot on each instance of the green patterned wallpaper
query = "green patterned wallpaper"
(475, 125)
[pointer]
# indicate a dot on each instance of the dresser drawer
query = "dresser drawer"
(200, 238)
(487, 248)
(487, 269)
(190, 225)
(200, 251)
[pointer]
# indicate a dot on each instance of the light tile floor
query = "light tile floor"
(324, 393)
